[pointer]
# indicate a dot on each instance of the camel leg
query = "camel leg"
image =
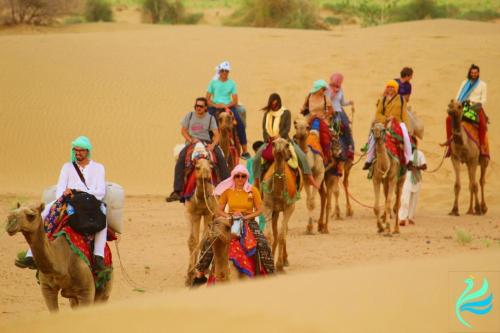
(397, 204)
(273, 236)
(483, 163)
(349, 211)
(336, 193)
(391, 184)
(376, 206)
(310, 207)
(282, 238)
(322, 196)
(221, 260)
(474, 188)
(50, 297)
(193, 240)
(329, 191)
(456, 168)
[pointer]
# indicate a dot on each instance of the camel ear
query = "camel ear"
(18, 205)
(41, 207)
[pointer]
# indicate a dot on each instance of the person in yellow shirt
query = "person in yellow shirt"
(391, 105)
(244, 204)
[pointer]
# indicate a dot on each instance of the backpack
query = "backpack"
(306, 111)
(86, 217)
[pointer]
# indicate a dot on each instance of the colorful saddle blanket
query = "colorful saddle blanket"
(394, 141)
(293, 182)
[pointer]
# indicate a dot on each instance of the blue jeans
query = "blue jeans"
(240, 126)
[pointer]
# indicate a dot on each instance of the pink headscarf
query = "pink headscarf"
(336, 79)
(229, 182)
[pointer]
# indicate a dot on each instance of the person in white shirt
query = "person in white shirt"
(411, 187)
(472, 94)
(95, 184)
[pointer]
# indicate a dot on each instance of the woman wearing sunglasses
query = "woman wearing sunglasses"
(244, 204)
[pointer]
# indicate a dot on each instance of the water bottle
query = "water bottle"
(236, 227)
(70, 210)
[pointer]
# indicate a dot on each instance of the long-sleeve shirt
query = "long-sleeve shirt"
(338, 101)
(285, 124)
(94, 178)
(477, 95)
(391, 106)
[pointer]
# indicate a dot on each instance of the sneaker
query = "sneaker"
(367, 165)
(174, 196)
(245, 156)
(98, 264)
(25, 262)
(198, 281)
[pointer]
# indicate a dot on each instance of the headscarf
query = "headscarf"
(229, 182)
(394, 84)
(273, 119)
(225, 65)
(81, 142)
(317, 85)
(336, 79)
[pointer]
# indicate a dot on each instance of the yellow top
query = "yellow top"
(392, 108)
(240, 201)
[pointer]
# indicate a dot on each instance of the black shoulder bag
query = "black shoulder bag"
(87, 218)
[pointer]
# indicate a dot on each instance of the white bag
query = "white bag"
(114, 200)
(416, 124)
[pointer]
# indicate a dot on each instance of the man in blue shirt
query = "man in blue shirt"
(404, 83)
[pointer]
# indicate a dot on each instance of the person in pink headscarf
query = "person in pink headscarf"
(244, 204)
(340, 122)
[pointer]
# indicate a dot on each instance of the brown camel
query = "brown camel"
(219, 236)
(201, 205)
(276, 200)
(60, 269)
(386, 170)
(330, 186)
(464, 150)
(227, 142)
(302, 131)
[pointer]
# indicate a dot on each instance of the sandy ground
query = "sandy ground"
(127, 87)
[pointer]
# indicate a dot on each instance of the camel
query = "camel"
(330, 186)
(464, 150)
(60, 269)
(386, 170)
(275, 201)
(227, 142)
(302, 131)
(201, 205)
(219, 237)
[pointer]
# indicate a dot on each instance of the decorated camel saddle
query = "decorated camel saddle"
(57, 225)
(394, 141)
(194, 153)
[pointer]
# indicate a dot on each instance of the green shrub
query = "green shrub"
(333, 20)
(98, 10)
(163, 11)
(480, 15)
(463, 237)
(74, 20)
(295, 14)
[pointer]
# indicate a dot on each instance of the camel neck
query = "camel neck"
(42, 249)
(381, 153)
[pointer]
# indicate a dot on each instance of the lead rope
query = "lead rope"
(125, 274)
(440, 163)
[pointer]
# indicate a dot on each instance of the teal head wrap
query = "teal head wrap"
(317, 85)
(81, 142)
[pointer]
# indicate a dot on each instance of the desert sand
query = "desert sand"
(127, 87)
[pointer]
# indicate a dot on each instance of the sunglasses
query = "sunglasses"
(199, 106)
(240, 176)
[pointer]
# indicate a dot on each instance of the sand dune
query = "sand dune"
(127, 87)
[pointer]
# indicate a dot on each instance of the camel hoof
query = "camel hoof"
(484, 209)
(395, 232)
(388, 234)
(338, 218)
(454, 213)
(286, 263)
(279, 268)
(470, 212)
(309, 229)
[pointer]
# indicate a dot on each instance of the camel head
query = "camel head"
(226, 120)
(24, 219)
(220, 229)
(378, 131)
(203, 169)
(302, 128)
(281, 149)
(455, 109)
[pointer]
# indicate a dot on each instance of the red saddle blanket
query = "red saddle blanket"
(394, 141)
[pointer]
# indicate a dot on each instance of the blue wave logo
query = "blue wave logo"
(473, 302)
